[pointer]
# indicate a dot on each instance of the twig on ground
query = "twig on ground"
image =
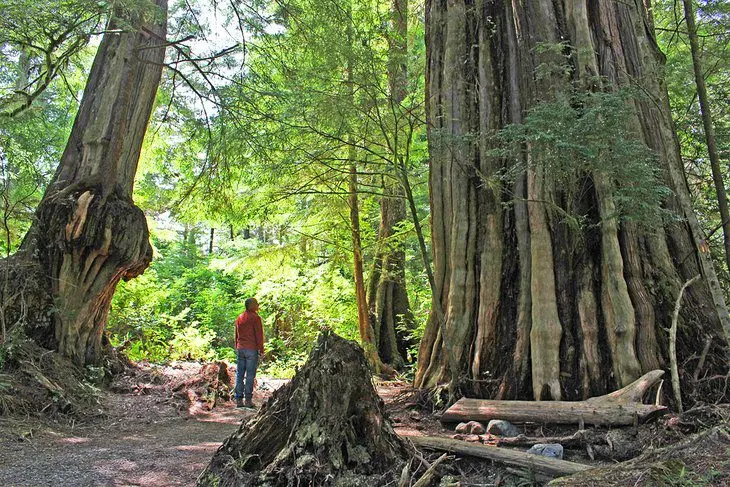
(430, 473)
(404, 475)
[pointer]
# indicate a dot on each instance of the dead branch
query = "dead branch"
(673, 344)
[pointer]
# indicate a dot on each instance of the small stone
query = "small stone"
(475, 427)
(458, 437)
(500, 427)
(462, 428)
(472, 438)
(552, 450)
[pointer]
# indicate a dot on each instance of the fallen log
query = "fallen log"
(620, 408)
(550, 467)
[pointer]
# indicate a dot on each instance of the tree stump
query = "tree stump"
(326, 427)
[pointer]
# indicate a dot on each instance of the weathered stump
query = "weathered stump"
(326, 427)
(208, 387)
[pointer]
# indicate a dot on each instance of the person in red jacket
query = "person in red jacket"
(249, 349)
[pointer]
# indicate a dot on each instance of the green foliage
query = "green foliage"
(260, 144)
(31, 142)
(588, 134)
(267, 154)
(190, 343)
(712, 18)
(41, 42)
(185, 305)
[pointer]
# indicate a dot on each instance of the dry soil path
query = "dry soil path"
(141, 440)
(147, 436)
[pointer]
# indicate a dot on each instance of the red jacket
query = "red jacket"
(249, 332)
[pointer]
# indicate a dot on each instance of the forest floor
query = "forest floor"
(153, 427)
(156, 426)
(144, 434)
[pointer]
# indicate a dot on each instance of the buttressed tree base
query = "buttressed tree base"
(528, 304)
(87, 233)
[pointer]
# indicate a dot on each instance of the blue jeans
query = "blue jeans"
(246, 365)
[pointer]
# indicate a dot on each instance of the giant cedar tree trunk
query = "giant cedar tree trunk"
(525, 306)
(87, 233)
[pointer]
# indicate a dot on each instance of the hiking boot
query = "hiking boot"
(239, 403)
(249, 404)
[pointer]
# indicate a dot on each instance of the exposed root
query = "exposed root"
(212, 385)
(35, 380)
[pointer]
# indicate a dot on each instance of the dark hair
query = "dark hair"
(249, 303)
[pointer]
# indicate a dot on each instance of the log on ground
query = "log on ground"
(620, 408)
(549, 467)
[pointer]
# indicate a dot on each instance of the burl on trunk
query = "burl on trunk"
(87, 233)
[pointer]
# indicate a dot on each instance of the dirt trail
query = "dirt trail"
(144, 438)
(154, 433)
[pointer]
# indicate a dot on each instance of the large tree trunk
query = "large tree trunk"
(87, 233)
(526, 306)
(388, 307)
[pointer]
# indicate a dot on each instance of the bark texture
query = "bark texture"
(526, 306)
(87, 233)
(388, 308)
(325, 427)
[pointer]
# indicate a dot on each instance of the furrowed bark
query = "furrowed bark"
(579, 309)
(546, 328)
(616, 304)
(490, 221)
